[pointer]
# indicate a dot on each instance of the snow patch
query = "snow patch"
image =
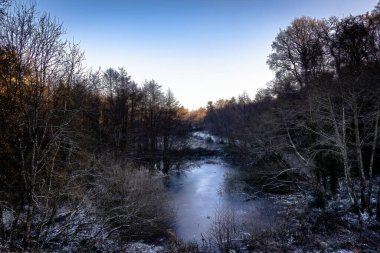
(140, 247)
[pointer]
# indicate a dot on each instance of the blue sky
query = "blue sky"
(201, 49)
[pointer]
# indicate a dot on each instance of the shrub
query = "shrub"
(224, 231)
(132, 202)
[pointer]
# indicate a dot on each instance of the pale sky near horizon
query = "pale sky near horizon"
(201, 49)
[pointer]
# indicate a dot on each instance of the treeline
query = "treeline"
(135, 119)
(58, 122)
(318, 120)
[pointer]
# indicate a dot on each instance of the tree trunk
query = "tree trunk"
(2, 232)
(374, 143)
(340, 140)
(378, 206)
(359, 158)
(27, 227)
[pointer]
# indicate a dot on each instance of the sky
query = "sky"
(202, 50)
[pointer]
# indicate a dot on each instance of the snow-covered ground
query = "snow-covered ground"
(140, 247)
(304, 228)
(205, 140)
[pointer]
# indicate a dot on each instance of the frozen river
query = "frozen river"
(200, 190)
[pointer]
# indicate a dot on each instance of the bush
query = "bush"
(224, 231)
(133, 202)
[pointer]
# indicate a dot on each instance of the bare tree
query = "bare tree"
(298, 51)
(44, 65)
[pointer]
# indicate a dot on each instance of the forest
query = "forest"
(83, 152)
(321, 113)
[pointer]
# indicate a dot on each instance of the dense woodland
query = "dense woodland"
(78, 147)
(318, 120)
(66, 132)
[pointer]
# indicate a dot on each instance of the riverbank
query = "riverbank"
(216, 210)
(305, 228)
(301, 224)
(300, 227)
